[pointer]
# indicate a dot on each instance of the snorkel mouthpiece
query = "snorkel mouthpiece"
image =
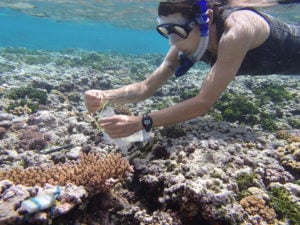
(185, 64)
(185, 61)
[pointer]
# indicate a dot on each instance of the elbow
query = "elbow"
(144, 91)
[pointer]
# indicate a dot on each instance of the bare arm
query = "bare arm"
(94, 99)
(139, 91)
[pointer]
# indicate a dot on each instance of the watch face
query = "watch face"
(147, 122)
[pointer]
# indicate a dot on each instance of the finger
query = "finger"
(109, 120)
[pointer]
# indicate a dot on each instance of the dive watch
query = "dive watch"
(147, 122)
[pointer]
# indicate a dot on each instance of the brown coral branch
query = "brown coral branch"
(92, 172)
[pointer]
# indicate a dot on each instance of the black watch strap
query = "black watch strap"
(147, 122)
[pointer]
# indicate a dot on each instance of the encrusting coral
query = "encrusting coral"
(255, 205)
(289, 156)
(95, 173)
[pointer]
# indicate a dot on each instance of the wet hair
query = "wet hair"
(188, 9)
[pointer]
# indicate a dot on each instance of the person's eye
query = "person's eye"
(163, 30)
(180, 31)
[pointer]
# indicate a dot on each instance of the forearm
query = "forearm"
(127, 94)
(210, 91)
(181, 112)
(139, 91)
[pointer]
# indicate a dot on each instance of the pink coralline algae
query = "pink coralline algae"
(33, 139)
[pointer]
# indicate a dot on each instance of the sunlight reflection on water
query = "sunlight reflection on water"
(138, 14)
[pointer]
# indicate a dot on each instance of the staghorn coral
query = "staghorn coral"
(255, 205)
(95, 173)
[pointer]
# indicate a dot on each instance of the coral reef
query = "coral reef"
(95, 173)
(255, 205)
(25, 100)
(194, 173)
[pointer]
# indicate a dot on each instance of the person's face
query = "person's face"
(186, 45)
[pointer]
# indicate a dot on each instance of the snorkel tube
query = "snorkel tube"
(186, 62)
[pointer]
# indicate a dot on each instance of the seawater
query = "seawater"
(22, 30)
(105, 26)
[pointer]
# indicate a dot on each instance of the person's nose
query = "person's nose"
(173, 39)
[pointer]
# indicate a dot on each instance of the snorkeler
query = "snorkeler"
(235, 41)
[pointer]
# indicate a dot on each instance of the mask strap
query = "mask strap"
(185, 61)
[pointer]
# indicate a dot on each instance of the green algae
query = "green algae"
(271, 92)
(245, 180)
(189, 93)
(4, 67)
(34, 94)
(36, 59)
(252, 110)
(29, 97)
(281, 202)
(243, 194)
(22, 103)
(294, 123)
(234, 107)
(267, 121)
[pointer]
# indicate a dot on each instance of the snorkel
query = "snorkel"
(186, 62)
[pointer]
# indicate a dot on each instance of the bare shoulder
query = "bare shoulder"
(245, 16)
(248, 24)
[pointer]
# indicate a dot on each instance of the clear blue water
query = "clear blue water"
(21, 30)
(105, 26)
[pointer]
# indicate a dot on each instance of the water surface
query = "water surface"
(126, 26)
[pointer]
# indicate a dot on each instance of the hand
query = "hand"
(94, 99)
(121, 125)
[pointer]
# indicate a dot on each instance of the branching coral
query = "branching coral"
(95, 173)
(255, 205)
